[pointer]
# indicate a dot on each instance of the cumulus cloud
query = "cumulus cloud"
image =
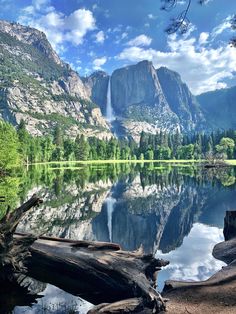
(100, 37)
(203, 38)
(98, 62)
(58, 27)
(202, 68)
(140, 41)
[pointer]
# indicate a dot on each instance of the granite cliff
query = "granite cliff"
(146, 99)
(36, 86)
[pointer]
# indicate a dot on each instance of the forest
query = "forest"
(19, 147)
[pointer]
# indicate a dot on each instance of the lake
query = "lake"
(173, 211)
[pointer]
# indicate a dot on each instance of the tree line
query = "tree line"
(18, 146)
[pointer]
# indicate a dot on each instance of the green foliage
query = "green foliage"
(9, 146)
(226, 147)
(18, 146)
(81, 148)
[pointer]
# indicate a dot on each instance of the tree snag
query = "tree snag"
(13, 251)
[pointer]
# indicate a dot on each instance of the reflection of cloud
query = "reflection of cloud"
(57, 301)
(193, 261)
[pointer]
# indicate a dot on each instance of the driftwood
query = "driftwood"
(13, 251)
(97, 271)
(230, 225)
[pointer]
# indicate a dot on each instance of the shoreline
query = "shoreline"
(230, 162)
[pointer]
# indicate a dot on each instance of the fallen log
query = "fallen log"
(97, 271)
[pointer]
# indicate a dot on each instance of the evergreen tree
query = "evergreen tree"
(81, 148)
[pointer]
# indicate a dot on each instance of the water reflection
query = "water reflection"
(193, 261)
(175, 212)
(55, 301)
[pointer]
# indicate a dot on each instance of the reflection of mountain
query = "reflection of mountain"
(151, 209)
(68, 215)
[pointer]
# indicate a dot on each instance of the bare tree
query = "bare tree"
(180, 23)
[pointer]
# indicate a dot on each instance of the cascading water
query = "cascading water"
(109, 111)
(110, 208)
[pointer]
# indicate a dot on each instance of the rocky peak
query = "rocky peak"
(97, 84)
(180, 99)
(32, 36)
(41, 89)
(136, 84)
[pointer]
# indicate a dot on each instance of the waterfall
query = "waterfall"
(110, 208)
(109, 112)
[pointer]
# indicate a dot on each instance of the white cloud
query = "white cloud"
(226, 24)
(203, 69)
(97, 63)
(38, 4)
(151, 16)
(124, 35)
(140, 41)
(95, 7)
(58, 27)
(100, 37)
(203, 38)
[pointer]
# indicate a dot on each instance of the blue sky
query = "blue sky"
(108, 34)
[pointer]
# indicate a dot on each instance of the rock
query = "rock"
(97, 85)
(181, 100)
(41, 89)
(230, 225)
(146, 99)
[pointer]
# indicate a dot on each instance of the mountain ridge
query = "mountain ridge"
(38, 87)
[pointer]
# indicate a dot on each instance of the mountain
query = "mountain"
(146, 99)
(96, 85)
(38, 87)
(35, 85)
(219, 108)
(181, 100)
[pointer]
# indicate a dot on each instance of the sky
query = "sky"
(105, 35)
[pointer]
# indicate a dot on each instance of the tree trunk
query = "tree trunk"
(13, 251)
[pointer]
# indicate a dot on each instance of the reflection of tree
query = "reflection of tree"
(12, 294)
(10, 189)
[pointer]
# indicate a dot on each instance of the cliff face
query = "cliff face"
(219, 108)
(35, 85)
(180, 99)
(134, 85)
(146, 99)
(96, 85)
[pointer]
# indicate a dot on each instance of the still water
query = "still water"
(174, 212)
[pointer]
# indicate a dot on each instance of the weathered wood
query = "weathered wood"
(98, 272)
(13, 252)
(230, 225)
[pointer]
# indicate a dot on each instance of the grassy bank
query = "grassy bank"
(231, 162)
